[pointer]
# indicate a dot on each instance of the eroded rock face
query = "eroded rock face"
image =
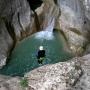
(18, 13)
(16, 22)
(73, 22)
(6, 43)
(72, 17)
(86, 4)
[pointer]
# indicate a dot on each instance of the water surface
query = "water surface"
(23, 57)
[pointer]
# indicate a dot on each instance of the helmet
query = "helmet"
(41, 48)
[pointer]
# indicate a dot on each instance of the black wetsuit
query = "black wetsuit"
(41, 54)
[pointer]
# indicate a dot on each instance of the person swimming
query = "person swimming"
(41, 54)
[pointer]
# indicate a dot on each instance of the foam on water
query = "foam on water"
(46, 33)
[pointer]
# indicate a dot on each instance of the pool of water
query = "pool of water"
(23, 57)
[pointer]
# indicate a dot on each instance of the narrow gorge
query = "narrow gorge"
(62, 27)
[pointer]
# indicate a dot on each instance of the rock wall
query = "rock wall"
(71, 18)
(17, 21)
(18, 13)
(84, 81)
(6, 43)
(47, 12)
(74, 24)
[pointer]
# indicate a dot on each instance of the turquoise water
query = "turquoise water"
(23, 57)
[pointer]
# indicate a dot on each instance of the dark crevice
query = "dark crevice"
(62, 33)
(35, 4)
(10, 29)
(22, 30)
(37, 23)
(11, 32)
(18, 15)
(55, 1)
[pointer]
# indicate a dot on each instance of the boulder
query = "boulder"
(59, 76)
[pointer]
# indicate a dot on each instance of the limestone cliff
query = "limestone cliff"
(74, 22)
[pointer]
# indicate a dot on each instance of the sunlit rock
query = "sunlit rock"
(60, 76)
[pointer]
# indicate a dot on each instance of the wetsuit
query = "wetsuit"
(40, 56)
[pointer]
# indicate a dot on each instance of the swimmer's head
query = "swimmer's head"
(41, 48)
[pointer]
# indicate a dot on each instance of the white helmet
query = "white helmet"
(41, 48)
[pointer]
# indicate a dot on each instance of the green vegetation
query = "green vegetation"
(24, 82)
